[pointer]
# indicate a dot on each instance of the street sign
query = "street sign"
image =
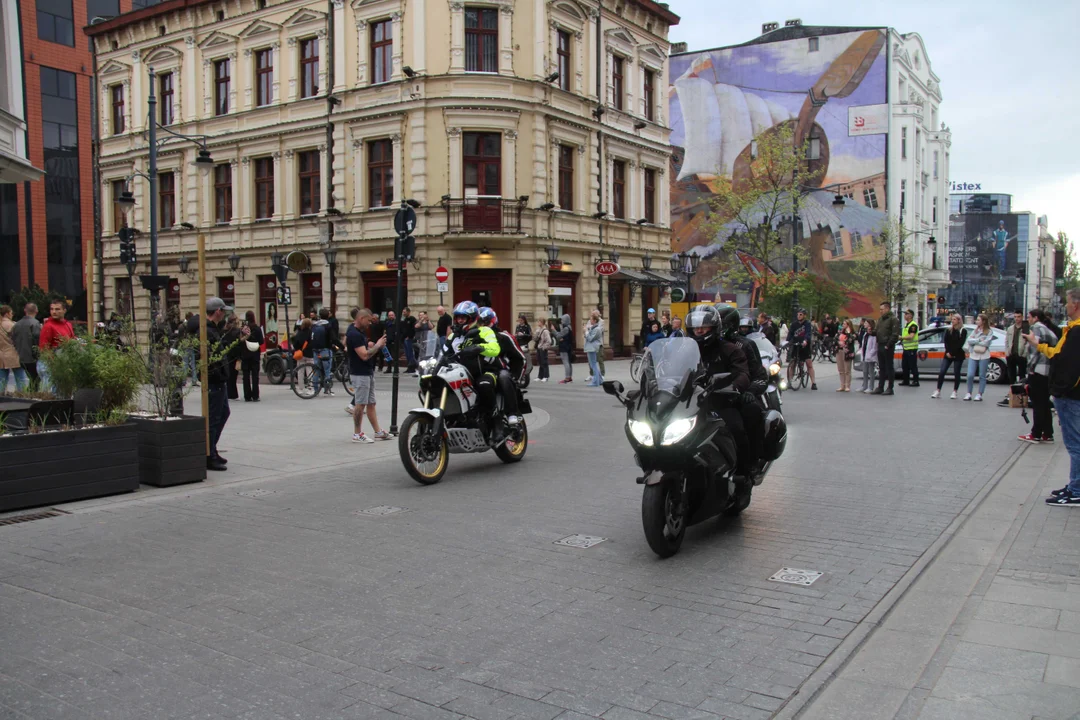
(405, 246)
(677, 294)
(1060, 282)
(391, 264)
(441, 275)
(442, 287)
(405, 220)
(606, 267)
(284, 295)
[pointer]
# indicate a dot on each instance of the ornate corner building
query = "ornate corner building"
(518, 125)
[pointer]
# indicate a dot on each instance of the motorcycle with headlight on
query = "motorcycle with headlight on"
(451, 419)
(685, 450)
(770, 358)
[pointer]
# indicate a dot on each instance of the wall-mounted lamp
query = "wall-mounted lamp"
(839, 201)
(187, 226)
(598, 111)
(234, 265)
(646, 261)
(204, 162)
(642, 221)
(185, 263)
(484, 252)
(335, 100)
(600, 215)
(333, 211)
(640, 125)
(409, 72)
(615, 256)
(547, 206)
(552, 77)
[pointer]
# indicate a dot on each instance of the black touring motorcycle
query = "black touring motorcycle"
(687, 453)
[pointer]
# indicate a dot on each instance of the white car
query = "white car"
(932, 351)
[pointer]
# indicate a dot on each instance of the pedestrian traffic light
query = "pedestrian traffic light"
(128, 254)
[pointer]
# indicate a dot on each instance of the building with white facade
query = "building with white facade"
(14, 165)
(521, 127)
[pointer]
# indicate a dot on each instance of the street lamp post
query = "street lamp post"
(281, 271)
(687, 265)
(404, 250)
(330, 254)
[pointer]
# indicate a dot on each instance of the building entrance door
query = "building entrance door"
(490, 288)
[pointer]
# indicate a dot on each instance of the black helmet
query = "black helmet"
(729, 321)
(746, 324)
(707, 317)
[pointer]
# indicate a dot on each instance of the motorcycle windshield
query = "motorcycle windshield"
(668, 365)
(766, 349)
(431, 347)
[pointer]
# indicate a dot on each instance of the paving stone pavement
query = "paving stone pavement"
(214, 601)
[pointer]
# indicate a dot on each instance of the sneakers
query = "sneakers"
(813, 386)
(1029, 438)
(362, 438)
(937, 394)
(1004, 402)
(867, 391)
(967, 397)
(328, 393)
(1059, 493)
(1066, 498)
(978, 397)
(349, 409)
(888, 392)
(953, 396)
(543, 379)
(878, 391)
(382, 435)
(1048, 438)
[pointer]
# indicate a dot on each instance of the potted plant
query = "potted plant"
(59, 455)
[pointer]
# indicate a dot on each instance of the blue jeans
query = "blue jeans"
(191, 368)
(594, 368)
(410, 358)
(20, 378)
(44, 381)
(1068, 412)
(980, 367)
(324, 358)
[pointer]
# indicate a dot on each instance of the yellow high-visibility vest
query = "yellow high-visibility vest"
(910, 337)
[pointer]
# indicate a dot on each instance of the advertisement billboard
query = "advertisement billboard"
(984, 261)
(829, 88)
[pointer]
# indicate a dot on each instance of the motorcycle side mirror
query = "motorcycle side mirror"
(614, 387)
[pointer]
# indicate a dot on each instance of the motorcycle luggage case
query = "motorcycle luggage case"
(775, 436)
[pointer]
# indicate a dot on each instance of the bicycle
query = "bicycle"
(798, 376)
(635, 366)
(340, 365)
(305, 378)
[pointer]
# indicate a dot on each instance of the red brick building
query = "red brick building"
(56, 214)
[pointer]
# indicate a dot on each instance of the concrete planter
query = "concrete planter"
(56, 467)
(171, 452)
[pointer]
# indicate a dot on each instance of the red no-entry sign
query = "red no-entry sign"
(442, 274)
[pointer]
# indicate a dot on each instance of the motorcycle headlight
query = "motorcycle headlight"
(641, 432)
(783, 384)
(427, 366)
(774, 369)
(677, 430)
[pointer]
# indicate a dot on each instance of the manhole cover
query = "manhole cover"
(580, 541)
(258, 492)
(795, 576)
(383, 510)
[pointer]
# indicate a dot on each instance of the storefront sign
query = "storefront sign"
(607, 267)
(868, 120)
(564, 291)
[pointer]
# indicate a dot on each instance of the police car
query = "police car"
(932, 351)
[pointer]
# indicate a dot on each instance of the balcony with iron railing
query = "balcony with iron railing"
(484, 214)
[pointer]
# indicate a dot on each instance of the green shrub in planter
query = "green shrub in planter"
(118, 373)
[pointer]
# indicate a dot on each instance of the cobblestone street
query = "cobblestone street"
(268, 593)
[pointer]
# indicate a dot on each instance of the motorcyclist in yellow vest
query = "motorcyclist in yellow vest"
(478, 350)
(909, 338)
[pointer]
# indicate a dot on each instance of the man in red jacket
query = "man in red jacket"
(53, 332)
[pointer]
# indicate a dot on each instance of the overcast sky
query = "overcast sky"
(1009, 82)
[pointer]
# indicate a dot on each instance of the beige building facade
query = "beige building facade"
(322, 117)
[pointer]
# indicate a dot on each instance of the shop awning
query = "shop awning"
(632, 276)
(663, 277)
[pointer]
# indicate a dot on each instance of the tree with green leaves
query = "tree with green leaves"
(751, 211)
(888, 264)
(817, 294)
(1071, 274)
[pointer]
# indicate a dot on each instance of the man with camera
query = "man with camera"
(1065, 388)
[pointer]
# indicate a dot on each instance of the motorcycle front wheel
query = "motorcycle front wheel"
(663, 515)
(425, 456)
(514, 451)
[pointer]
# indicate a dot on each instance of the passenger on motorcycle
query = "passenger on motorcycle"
(721, 355)
(478, 350)
(512, 365)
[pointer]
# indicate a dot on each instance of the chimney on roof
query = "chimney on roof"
(768, 27)
(794, 22)
(679, 47)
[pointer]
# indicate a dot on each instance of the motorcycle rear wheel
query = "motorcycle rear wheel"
(512, 452)
(664, 524)
(414, 432)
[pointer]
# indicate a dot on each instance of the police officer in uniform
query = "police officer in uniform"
(909, 361)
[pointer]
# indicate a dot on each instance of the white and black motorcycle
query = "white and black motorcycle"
(450, 419)
(770, 359)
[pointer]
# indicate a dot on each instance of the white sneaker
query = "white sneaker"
(953, 396)
(867, 392)
(362, 438)
(349, 409)
(978, 397)
(588, 379)
(936, 395)
(967, 396)
(543, 379)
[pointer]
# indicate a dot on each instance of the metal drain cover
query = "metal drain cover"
(257, 492)
(383, 510)
(795, 576)
(580, 541)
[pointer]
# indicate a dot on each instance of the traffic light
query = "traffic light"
(128, 254)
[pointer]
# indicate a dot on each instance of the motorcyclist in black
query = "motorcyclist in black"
(753, 413)
(724, 356)
(512, 365)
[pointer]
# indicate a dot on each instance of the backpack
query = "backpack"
(318, 337)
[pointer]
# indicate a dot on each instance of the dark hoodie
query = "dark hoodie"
(565, 336)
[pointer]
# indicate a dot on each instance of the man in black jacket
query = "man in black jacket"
(221, 358)
(1065, 388)
(888, 333)
(408, 337)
